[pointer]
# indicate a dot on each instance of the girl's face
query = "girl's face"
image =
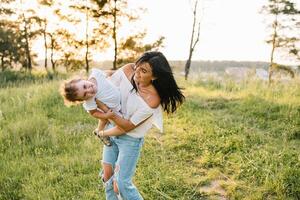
(143, 73)
(85, 89)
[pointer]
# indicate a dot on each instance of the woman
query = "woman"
(144, 86)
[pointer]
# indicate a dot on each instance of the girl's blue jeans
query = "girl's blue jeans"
(123, 156)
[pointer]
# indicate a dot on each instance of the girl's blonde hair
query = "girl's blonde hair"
(69, 91)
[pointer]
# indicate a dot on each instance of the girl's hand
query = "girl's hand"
(101, 106)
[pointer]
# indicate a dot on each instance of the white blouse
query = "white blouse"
(134, 108)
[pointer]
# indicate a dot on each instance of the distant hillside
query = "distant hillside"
(178, 65)
(208, 65)
(107, 64)
(218, 66)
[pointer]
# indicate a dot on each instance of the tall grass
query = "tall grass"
(10, 78)
(244, 138)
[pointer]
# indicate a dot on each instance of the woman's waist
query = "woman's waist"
(140, 131)
(129, 138)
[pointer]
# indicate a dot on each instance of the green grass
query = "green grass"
(10, 78)
(241, 141)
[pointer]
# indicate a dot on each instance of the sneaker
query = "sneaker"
(104, 139)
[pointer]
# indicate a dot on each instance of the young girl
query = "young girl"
(97, 86)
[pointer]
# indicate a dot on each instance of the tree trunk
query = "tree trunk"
(11, 61)
(188, 65)
(27, 49)
(87, 41)
(192, 44)
(52, 51)
(67, 64)
(273, 49)
(2, 62)
(115, 36)
(45, 44)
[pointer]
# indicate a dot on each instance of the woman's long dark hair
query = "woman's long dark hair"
(165, 84)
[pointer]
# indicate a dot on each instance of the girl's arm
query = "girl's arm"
(101, 124)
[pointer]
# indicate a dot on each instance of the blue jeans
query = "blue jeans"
(122, 156)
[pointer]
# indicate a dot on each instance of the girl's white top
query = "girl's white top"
(107, 92)
(135, 108)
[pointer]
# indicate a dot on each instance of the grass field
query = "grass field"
(228, 141)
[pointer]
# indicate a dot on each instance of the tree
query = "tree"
(29, 32)
(53, 45)
(194, 40)
(133, 46)
(9, 53)
(129, 47)
(44, 22)
(284, 14)
(68, 42)
(69, 50)
(114, 14)
(59, 37)
(291, 41)
(117, 13)
(109, 17)
(87, 37)
(95, 27)
(12, 48)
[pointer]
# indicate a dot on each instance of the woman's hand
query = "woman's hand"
(109, 72)
(109, 114)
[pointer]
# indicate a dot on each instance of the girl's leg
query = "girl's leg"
(101, 126)
(109, 158)
(129, 151)
(110, 155)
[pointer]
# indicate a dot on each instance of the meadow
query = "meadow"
(227, 141)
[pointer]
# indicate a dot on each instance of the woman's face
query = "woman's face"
(143, 73)
(85, 89)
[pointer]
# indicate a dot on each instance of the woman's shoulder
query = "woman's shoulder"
(153, 101)
(116, 74)
(128, 69)
(151, 98)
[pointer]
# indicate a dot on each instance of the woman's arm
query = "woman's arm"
(98, 114)
(121, 122)
(114, 131)
(103, 117)
(109, 72)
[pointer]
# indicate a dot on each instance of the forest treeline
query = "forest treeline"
(70, 31)
(73, 30)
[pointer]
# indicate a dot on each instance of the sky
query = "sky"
(230, 30)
